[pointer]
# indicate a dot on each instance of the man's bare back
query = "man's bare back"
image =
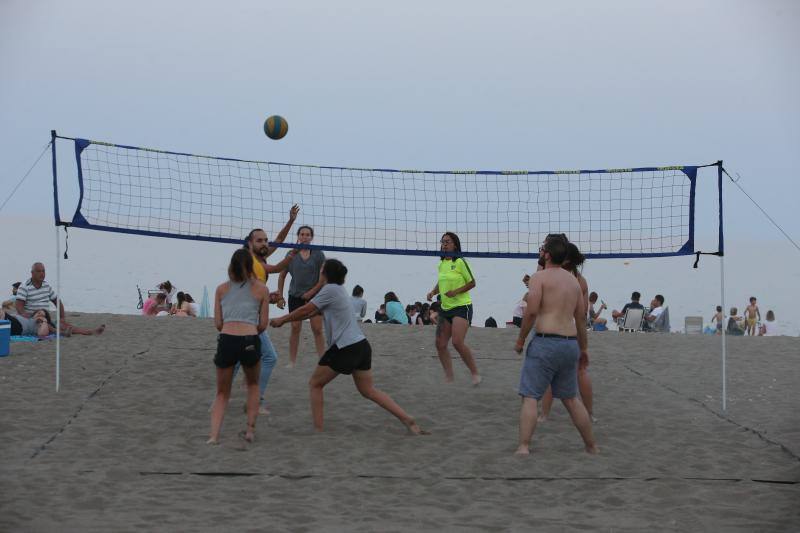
(554, 293)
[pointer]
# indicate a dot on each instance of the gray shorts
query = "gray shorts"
(550, 361)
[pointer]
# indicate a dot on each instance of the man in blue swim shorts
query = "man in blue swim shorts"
(555, 306)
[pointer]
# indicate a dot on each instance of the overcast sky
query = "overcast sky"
(480, 85)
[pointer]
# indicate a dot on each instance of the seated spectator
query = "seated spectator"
(656, 309)
(424, 317)
(490, 323)
(14, 289)
(633, 304)
(156, 304)
(380, 314)
(735, 323)
(394, 309)
(412, 313)
(595, 320)
(183, 307)
(167, 288)
(359, 303)
(435, 309)
(37, 295)
(767, 328)
(191, 307)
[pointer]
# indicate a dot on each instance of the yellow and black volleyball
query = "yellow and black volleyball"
(276, 127)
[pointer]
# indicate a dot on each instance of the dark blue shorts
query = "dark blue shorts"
(550, 362)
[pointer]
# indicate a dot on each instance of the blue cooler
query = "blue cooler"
(5, 337)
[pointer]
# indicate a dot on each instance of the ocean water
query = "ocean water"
(103, 270)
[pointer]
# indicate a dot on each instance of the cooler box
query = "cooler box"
(5, 337)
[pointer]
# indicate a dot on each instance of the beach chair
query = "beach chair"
(693, 325)
(661, 324)
(632, 320)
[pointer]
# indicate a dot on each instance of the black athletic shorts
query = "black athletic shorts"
(295, 302)
(356, 356)
(464, 311)
(232, 349)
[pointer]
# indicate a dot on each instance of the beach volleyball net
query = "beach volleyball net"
(623, 212)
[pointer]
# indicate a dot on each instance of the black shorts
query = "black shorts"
(232, 349)
(356, 356)
(295, 302)
(517, 321)
(464, 311)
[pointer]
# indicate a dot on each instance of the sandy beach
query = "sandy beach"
(122, 446)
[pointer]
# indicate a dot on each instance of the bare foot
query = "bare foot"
(414, 429)
(476, 380)
(592, 450)
(247, 436)
(100, 330)
(522, 450)
(541, 418)
(212, 441)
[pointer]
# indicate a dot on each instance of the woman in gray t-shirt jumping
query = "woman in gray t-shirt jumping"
(306, 282)
(349, 351)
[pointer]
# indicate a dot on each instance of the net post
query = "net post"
(58, 312)
(721, 251)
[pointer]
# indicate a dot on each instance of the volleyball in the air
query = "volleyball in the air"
(276, 127)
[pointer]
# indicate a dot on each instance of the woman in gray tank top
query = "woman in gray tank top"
(241, 312)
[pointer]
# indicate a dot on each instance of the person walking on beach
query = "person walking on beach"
(752, 315)
(453, 286)
(241, 313)
(556, 305)
(348, 352)
(304, 268)
(718, 318)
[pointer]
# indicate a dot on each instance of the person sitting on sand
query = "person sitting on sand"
(380, 314)
(435, 309)
(767, 329)
(634, 304)
(424, 316)
(734, 323)
(36, 294)
(751, 316)
(156, 304)
(349, 351)
(359, 303)
(556, 305)
(241, 313)
(718, 318)
(191, 307)
(394, 309)
(597, 322)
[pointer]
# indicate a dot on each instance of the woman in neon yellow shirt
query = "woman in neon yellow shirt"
(455, 282)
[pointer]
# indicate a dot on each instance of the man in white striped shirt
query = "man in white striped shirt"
(36, 294)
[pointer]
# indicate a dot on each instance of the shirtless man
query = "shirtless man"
(556, 304)
(751, 316)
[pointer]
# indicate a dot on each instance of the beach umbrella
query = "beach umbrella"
(204, 308)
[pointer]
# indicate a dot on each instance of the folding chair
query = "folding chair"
(693, 325)
(633, 320)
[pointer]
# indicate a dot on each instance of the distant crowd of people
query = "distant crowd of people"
(748, 324)
(160, 302)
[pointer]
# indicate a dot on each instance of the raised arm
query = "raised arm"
(285, 231)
